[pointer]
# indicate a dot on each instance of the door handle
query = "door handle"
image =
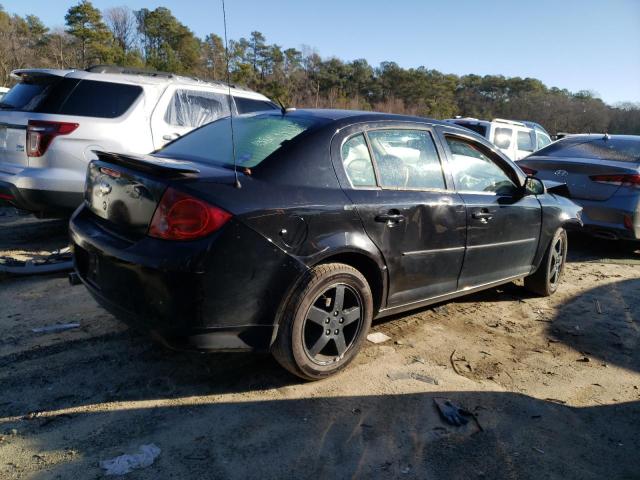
(391, 218)
(483, 215)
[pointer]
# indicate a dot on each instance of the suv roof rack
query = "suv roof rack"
(155, 73)
(510, 122)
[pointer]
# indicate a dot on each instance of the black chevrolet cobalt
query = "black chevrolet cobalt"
(335, 218)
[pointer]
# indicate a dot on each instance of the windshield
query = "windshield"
(256, 137)
(616, 149)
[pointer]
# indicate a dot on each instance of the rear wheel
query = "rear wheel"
(324, 322)
(546, 279)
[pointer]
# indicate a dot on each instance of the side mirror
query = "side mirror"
(534, 186)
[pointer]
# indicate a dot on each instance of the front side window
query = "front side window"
(525, 142)
(357, 162)
(474, 171)
(543, 140)
(256, 137)
(250, 105)
(406, 159)
(502, 137)
(192, 108)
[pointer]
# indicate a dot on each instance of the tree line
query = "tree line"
(157, 40)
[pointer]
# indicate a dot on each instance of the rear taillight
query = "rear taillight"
(182, 217)
(40, 134)
(529, 171)
(627, 180)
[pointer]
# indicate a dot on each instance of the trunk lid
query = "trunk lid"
(576, 173)
(123, 190)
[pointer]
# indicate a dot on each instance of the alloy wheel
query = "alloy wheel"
(557, 260)
(332, 324)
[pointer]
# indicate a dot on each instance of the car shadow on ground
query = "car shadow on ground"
(382, 436)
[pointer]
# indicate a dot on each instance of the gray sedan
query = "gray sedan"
(602, 174)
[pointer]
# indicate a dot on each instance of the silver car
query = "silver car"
(602, 173)
(53, 120)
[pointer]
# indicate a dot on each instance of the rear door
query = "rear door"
(503, 225)
(395, 179)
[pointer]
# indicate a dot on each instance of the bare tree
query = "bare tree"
(123, 25)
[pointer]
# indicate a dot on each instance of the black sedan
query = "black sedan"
(327, 220)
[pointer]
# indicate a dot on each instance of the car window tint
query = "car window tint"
(406, 159)
(191, 108)
(476, 127)
(525, 142)
(357, 162)
(474, 171)
(99, 99)
(249, 105)
(256, 137)
(543, 140)
(502, 137)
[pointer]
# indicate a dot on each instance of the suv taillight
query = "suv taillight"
(41, 133)
(627, 180)
(182, 217)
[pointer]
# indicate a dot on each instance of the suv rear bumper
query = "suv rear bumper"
(41, 189)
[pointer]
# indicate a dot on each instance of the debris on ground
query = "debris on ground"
(453, 414)
(597, 305)
(412, 376)
(59, 260)
(378, 337)
(126, 463)
(56, 328)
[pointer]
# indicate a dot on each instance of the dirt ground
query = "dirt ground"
(554, 384)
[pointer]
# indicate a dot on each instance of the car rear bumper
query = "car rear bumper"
(617, 218)
(217, 293)
(41, 189)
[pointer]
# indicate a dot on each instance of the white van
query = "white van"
(515, 139)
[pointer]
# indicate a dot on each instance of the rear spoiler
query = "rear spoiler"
(164, 167)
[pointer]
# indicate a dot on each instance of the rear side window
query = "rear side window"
(99, 99)
(617, 149)
(502, 137)
(406, 159)
(192, 108)
(72, 96)
(256, 137)
(525, 142)
(357, 162)
(250, 105)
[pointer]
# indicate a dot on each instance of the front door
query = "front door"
(503, 224)
(395, 179)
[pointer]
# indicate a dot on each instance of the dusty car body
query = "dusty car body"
(349, 216)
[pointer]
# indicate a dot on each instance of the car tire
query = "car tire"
(318, 333)
(546, 279)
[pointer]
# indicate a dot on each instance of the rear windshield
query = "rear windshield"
(256, 137)
(481, 129)
(617, 149)
(71, 96)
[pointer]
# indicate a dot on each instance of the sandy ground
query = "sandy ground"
(554, 384)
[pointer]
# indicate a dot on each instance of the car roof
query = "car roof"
(356, 116)
(137, 77)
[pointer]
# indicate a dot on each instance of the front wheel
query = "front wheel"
(546, 279)
(324, 322)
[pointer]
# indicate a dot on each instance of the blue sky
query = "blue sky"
(574, 44)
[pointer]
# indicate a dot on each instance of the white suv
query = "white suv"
(52, 120)
(515, 139)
